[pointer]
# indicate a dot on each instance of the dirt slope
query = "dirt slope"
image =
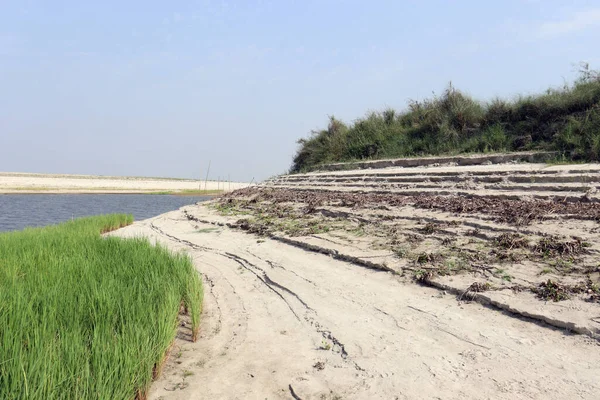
(282, 322)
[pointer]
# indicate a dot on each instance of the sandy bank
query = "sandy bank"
(313, 285)
(14, 182)
(283, 322)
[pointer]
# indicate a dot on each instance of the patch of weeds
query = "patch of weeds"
(422, 275)
(589, 288)
(511, 241)
(557, 291)
(325, 345)
(357, 230)
(551, 290)
(428, 258)
(253, 226)
(453, 266)
(187, 373)
(302, 227)
(316, 227)
(401, 252)
(502, 274)
(291, 227)
(545, 271)
(471, 256)
(479, 287)
(552, 246)
(228, 208)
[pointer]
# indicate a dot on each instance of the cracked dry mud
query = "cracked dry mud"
(283, 322)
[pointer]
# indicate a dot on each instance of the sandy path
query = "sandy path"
(280, 322)
(12, 182)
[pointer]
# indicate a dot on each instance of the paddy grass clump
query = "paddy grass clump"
(86, 316)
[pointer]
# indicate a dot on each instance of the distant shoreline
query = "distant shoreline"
(84, 192)
(86, 176)
(32, 183)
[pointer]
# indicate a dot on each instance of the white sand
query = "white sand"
(12, 182)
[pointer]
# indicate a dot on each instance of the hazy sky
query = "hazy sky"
(159, 88)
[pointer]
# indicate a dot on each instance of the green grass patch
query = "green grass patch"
(86, 316)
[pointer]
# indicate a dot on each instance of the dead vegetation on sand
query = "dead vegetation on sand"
(426, 237)
(512, 212)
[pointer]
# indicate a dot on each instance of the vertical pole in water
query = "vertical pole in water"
(206, 179)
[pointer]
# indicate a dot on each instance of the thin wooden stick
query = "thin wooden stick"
(206, 179)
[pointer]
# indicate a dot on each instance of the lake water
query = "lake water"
(18, 211)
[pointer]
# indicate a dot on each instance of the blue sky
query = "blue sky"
(160, 88)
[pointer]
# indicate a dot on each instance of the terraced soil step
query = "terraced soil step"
(526, 178)
(489, 169)
(520, 194)
(532, 157)
(567, 187)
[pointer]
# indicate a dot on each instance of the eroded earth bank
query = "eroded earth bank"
(428, 282)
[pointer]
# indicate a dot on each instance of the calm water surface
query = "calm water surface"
(18, 211)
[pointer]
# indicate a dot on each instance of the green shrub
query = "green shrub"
(565, 120)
